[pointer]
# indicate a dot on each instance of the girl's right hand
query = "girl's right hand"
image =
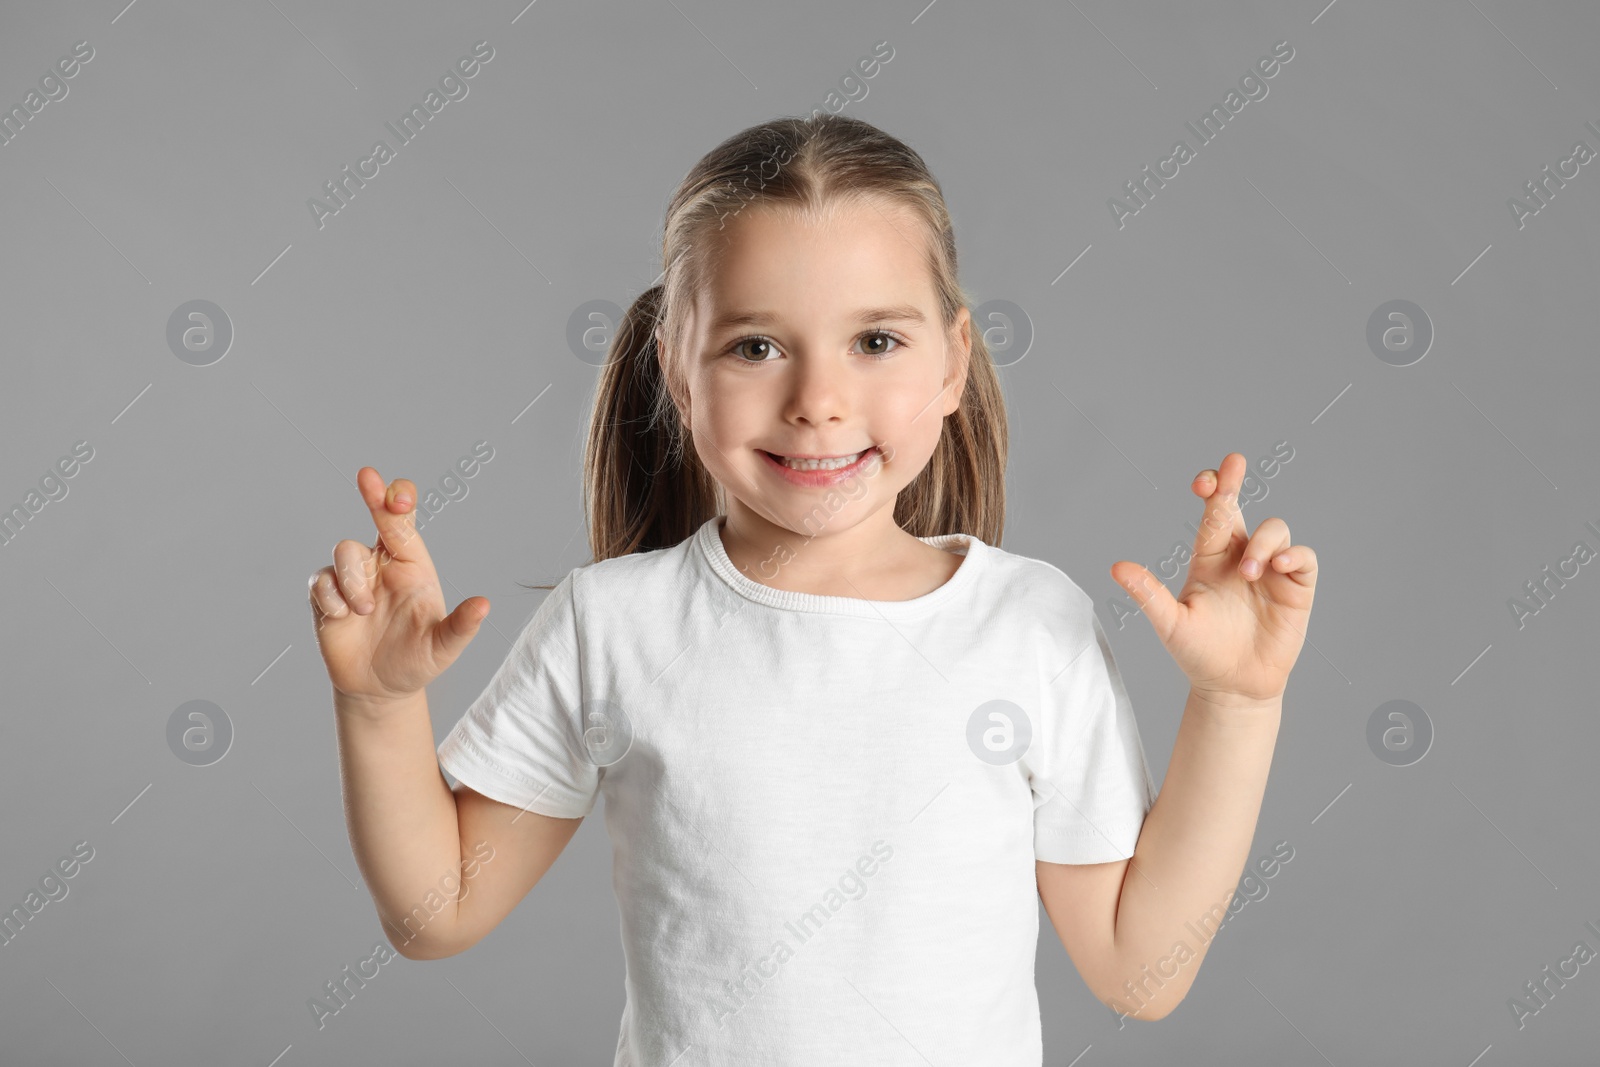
(380, 614)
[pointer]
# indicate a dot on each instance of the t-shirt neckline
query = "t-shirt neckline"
(709, 542)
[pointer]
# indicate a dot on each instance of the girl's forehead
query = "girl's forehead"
(789, 261)
(872, 259)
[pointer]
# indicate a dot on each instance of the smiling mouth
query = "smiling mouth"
(827, 464)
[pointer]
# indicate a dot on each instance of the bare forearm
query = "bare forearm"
(401, 816)
(1191, 851)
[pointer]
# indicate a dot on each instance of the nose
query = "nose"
(820, 390)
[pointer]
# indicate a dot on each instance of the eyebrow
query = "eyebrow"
(907, 313)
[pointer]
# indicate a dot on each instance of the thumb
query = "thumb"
(1153, 598)
(455, 631)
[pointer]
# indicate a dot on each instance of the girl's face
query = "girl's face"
(820, 338)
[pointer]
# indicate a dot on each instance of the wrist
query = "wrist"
(372, 708)
(1226, 704)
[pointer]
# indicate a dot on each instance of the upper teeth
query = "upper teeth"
(821, 464)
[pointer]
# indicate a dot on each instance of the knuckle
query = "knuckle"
(323, 602)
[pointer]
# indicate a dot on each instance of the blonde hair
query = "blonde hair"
(644, 486)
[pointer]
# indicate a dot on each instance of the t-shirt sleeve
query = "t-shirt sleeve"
(520, 741)
(1091, 784)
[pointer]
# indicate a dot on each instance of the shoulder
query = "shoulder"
(1038, 593)
(638, 577)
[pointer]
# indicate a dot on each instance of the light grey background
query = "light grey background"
(1229, 314)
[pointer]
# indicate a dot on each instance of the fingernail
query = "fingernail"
(1251, 568)
(403, 498)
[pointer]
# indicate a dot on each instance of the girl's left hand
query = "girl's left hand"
(1234, 636)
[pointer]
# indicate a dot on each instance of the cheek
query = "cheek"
(727, 413)
(915, 420)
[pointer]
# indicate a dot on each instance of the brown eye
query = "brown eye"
(883, 336)
(738, 348)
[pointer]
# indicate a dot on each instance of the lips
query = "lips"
(818, 477)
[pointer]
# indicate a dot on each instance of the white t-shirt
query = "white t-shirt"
(823, 835)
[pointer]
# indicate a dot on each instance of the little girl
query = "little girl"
(846, 742)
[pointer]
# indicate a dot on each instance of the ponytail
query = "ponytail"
(644, 486)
